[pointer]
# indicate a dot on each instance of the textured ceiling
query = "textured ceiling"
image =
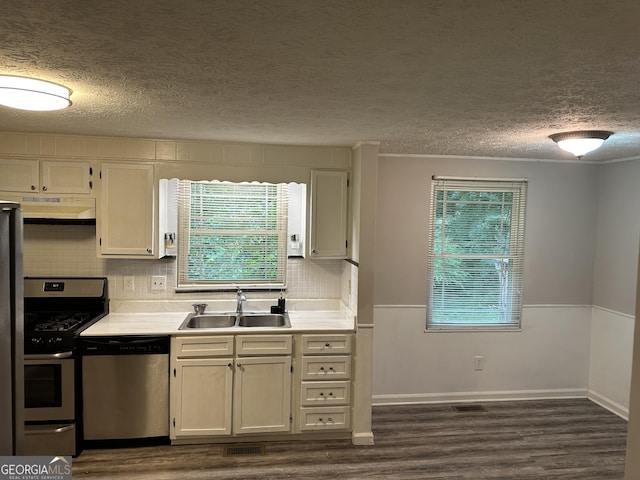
(445, 77)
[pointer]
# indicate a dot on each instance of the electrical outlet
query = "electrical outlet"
(158, 282)
(129, 284)
(478, 363)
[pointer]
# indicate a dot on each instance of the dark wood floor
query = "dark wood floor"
(551, 439)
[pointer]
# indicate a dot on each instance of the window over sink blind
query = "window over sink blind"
(231, 234)
(476, 253)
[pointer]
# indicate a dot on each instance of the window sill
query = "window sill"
(473, 330)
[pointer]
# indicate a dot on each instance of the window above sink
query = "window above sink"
(231, 234)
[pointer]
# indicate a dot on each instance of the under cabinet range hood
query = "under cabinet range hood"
(57, 210)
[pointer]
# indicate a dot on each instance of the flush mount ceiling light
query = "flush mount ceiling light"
(31, 94)
(580, 142)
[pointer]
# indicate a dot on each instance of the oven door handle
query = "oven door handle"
(50, 356)
(45, 430)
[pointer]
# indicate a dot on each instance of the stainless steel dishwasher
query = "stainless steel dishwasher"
(125, 387)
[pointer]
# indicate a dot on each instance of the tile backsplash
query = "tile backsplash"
(70, 250)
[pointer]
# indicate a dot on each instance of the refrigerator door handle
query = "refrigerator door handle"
(51, 356)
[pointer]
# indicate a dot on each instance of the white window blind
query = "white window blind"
(476, 253)
(231, 234)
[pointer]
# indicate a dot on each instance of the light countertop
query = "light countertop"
(167, 323)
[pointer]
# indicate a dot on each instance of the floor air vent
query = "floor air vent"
(231, 450)
(469, 408)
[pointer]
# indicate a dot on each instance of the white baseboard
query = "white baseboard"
(465, 397)
(608, 404)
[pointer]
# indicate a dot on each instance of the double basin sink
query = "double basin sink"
(228, 320)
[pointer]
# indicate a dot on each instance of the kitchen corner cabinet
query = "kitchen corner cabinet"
(126, 210)
(215, 392)
(328, 214)
(46, 176)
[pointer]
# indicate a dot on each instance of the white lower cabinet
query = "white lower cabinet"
(324, 418)
(325, 382)
(201, 396)
(241, 386)
(262, 395)
(217, 389)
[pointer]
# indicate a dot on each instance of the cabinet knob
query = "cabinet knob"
(239, 365)
(149, 250)
(321, 394)
(329, 419)
(33, 187)
(331, 394)
(327, 344)
(230, 365)
(322, 369)
(44, 188)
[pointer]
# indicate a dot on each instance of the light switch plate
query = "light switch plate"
(129, 285)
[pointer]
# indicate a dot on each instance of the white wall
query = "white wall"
(548, 358)
(611, 352)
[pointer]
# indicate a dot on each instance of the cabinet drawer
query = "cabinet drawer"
(263, 344)
(202, 346)
(315, 394)
(337, 367)
(326, 344)
(324, 418)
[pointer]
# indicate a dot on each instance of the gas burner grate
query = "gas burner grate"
(61, 322)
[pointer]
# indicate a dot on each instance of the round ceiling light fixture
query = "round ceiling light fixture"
(26, 93)
(582, 142)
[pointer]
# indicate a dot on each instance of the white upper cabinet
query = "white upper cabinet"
(66, 177)
(46, 176)
(328, 214)
(19, 175)
(127, 213)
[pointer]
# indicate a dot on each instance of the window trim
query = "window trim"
(518, 186)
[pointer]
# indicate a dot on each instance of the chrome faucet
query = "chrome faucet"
(241, 299)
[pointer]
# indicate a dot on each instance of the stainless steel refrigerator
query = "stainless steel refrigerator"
(11, 330)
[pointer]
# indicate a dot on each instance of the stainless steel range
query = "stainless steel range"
(56, 310)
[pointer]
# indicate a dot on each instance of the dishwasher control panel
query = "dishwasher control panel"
(125, 345)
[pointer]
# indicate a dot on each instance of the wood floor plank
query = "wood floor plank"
(522, 440)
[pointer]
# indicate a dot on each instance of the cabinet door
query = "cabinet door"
(127, 209)
(19, 176)
(66, 177)
(201, 397)
(328, 214)
(262, 395)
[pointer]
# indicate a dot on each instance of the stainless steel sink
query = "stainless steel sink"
(264, 320)
(208, 320)
(227, 320)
